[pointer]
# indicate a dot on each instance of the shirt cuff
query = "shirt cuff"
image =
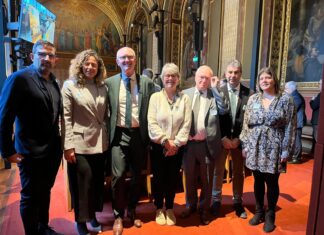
(284, 155)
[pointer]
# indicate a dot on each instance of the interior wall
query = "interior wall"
(229, 33)
(214, 30)
(250, 16)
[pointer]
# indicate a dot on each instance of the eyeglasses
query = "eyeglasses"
(129, 57)
(44, 54)
(171, 75)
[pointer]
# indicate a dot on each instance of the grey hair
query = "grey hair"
(235, 63)
(148, 72)
(170, 68)
(292, 85)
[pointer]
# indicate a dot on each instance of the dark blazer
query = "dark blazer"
(26, 102)
(146, 89)
(227, 127)
(211, 122)
(299, 103)
(315, 105)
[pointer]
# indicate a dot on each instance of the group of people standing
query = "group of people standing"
(120, 118)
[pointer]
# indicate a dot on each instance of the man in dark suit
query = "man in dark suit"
(231, 127)
(128, 98)
(315, 105)
(31, 100)
(204, 143)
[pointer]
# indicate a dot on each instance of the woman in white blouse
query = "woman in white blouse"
(169, 122)
(85, 136)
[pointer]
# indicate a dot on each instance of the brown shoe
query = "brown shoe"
(118, 226)
(187, 212)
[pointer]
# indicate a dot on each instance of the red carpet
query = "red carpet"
(291, 214)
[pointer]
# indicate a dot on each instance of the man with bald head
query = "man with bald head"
(128, 97)
(204, 143)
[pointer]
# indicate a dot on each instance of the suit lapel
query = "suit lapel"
(140, 87)
(114, 91)
(208, 102)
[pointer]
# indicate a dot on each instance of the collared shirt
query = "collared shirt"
(237, 89)
(201, 129)
(233, 96)
(52, 92)
(122, 101)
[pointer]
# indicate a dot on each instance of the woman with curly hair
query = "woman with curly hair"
(85, 136)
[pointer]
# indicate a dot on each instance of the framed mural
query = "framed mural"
(80, 26)
(304, 45)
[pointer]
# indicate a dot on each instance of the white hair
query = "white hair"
(291, 85)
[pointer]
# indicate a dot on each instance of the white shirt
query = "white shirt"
(122, 102)
(201, 129)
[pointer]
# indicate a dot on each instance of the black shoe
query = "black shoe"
(239, 210)
(269, 225)
(257, 218)
(81, 228)
(215, 208)
(95, 226)
(131, 214)
(204, 218)
(187, 212)
(47, 230)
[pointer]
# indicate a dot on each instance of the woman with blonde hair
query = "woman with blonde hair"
(85, 136)
(169, 122)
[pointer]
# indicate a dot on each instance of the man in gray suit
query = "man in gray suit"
(204, 143)
(231, 125)
(128, 97)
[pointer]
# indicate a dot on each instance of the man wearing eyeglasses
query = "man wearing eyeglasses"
(31, 100)
(128, 98)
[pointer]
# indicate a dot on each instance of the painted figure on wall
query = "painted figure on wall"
(305, 55)
(82, 26)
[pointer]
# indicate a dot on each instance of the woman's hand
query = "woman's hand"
(171, 148)
(69, 156)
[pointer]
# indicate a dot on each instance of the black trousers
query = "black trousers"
(272, 182)
(86, 180)
(127, 153)
(37, 177)
(165, 176)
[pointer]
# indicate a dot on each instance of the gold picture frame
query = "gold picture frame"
(299, 60)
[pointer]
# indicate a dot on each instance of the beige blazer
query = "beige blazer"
(85, 116)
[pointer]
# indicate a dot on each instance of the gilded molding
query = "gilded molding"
(286, 43)
(277, 35)
(175, 43)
